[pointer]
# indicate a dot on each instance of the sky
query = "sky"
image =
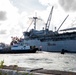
(15, 15)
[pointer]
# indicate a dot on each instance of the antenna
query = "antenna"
(34, 19)
(62, 23)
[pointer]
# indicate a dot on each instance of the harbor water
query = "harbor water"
(46, 60)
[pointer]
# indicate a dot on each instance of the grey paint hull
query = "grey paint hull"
(54, 46)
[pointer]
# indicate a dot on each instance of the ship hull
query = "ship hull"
(54, 46)
(17, 51)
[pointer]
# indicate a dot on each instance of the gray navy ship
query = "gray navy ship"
(52, 41)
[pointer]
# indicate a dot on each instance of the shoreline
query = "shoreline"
(15, 70)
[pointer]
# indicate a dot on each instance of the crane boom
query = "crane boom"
(49, 19)
(62, 23)
(29, 26)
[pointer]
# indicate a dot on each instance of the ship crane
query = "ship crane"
(49, 19)
(62, 23)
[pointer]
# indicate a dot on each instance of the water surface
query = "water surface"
(54, 61)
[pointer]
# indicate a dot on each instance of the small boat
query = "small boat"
(17, 47)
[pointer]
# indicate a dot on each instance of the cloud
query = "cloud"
(2, 31)
(49, 2)
(68, 5)
(27, 5)
(9, 18)
(2, 15)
